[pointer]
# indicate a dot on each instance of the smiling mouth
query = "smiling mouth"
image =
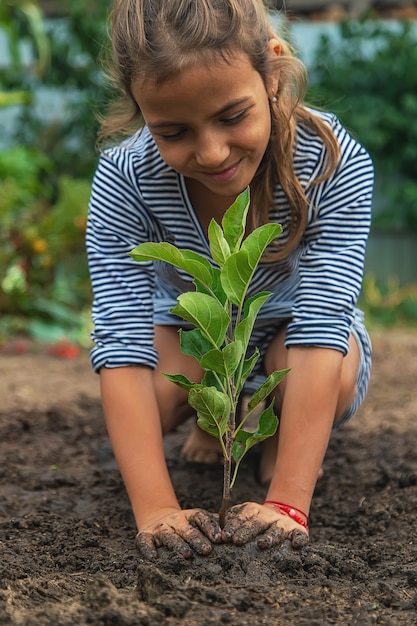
(223, 175)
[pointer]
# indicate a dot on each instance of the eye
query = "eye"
(235, 119)
(170, 136)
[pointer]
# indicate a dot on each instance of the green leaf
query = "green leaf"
(213, 288)
(258, 240)
(267, 426)
(193, 343)
(213, 410)
(211, 380)
(240, 266)
(206, 313)
(248, 365)
(191, 262)
(234, 220)
(37, 25)
(220, 250)
(251, 309)
(232, 354)
(12, 98)
(236, 275)
(183, 381)
(214, 360)
(224, 362)
(266, 388)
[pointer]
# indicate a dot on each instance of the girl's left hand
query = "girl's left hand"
(248, 521)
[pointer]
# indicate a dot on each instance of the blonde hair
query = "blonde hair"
(159, 38)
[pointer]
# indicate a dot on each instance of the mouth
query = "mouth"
(223, 175)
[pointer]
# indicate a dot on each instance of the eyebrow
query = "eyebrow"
(222, 111)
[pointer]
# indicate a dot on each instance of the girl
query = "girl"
(220, 98)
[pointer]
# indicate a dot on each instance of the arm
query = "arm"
(311, 395)
(125, 356)
(308, 411)
(317, 340)
(135, 432)
(133, 424)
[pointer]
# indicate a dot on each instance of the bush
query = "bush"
(388, 304)
(45, 181)
(45, 285)
(368, 78)
(66, 64)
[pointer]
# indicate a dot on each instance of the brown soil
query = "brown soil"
(67, 532)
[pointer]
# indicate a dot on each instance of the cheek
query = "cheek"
(258, 141)
(259, 133)
(172, 154)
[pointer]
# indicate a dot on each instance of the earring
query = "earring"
(274, 99)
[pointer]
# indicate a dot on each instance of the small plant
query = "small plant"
(223, 318)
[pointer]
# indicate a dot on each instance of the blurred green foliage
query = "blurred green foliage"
(389, 304)
(44, 283)
(75, 45)
(45, 175)
(22, 22)
(368, 77)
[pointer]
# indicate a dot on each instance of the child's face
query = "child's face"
(211, 124)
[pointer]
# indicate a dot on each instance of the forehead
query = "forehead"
(206, 82)
(161, 70)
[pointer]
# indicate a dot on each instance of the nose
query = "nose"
(211, 150)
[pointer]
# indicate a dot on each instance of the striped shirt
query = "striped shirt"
(136, 197)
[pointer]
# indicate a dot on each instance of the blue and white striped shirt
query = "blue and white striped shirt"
(136, 197)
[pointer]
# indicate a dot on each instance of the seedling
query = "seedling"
(223, 318)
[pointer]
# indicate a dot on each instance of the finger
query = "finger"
(146, 546)
(298, 539)
(272, 537)
(244, 523)
(234, 520)
(208, 524)
(242, 527)
(194, 538)
(249, 530)
(170, 539)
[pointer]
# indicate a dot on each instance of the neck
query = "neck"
(207, 204)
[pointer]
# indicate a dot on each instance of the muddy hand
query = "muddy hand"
(249, 521)
(180, 531)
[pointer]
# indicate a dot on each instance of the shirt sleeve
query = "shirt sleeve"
(122, 310)
(332, 261)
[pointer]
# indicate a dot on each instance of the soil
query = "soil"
(67, 531)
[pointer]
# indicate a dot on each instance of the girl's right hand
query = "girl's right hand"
(180, 531)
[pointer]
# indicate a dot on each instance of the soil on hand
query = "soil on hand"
(67, 532)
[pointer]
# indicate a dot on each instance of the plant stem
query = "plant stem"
(227, 473)
(227, 468)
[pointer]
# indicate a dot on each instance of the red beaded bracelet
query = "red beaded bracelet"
(291, 511)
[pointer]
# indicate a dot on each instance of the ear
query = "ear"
(274, 47)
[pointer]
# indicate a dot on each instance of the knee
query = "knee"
(172, 403)
(348, 382)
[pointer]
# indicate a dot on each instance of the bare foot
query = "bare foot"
(200, 447)
(267, 462)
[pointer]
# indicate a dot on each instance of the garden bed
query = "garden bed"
(67, 532)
